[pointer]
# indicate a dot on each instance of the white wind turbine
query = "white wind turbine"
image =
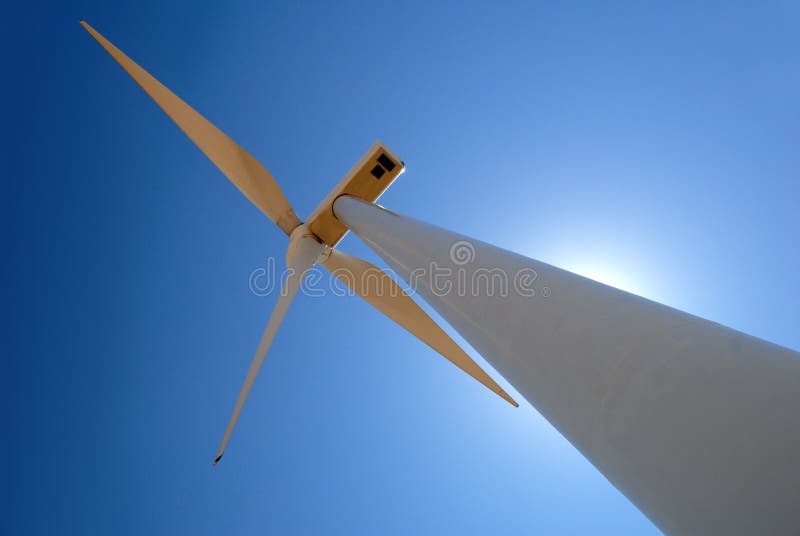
(311, 242)
(695, 423)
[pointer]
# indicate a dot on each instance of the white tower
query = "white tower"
(697, 424)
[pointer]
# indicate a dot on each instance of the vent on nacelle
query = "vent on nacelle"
(378, 172)
(386, 162)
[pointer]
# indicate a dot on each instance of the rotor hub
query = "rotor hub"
(300, 233)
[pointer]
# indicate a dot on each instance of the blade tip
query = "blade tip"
(216, 460)
(85, 25)
(511, 400)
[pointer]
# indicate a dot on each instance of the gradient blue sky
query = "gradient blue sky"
(652, 146)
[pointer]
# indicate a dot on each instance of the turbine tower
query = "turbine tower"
(697, 424)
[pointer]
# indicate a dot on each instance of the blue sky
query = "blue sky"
(650, 146)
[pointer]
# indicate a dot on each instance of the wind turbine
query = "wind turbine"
(312, 242)
(697, 424)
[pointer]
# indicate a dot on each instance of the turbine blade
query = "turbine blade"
(307, 252)
(243, 170)
(383, 293)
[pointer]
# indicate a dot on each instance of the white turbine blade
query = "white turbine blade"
(307, 252)
(243, 170)
(383, 293)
